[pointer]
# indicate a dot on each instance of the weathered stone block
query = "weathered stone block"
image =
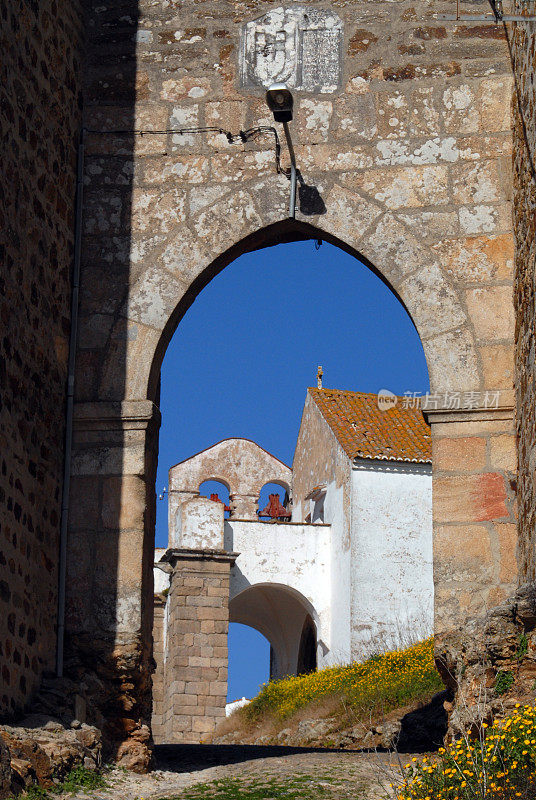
(480, 183)
(403, 187)
(218, 688)
(496, 104)
(461, 113)
(185, 88)
(460, 455)
(203, 725)
(503, 452)
(472, 498)
(171, 171)
(314, 118)
(478, 258)
(491, 311)
(498, 365)
(508, 537)
(230, 115)
(123, 502)
(425, 113)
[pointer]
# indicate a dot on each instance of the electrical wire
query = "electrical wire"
(232, 138)
(252, 133)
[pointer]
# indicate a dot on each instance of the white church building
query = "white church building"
(340, 570)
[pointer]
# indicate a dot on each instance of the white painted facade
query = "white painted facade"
(382, 589)
(356, 559)
(282, 575)
(161, 578)
(230, 708)
(392, 586)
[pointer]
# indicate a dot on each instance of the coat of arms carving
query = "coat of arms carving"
(299, 46)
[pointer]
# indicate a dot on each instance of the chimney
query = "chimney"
(319, 374)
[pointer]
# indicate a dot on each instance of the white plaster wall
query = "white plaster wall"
(285, 556)
(340, 650)
(161, 579)
(319, 459)
(198, 525)
(391, 549)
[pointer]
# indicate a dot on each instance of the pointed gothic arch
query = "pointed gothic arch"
(420, 197)
(164, 291)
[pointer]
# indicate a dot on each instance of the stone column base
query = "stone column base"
(196, 658)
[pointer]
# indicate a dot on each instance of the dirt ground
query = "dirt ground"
(234, 772)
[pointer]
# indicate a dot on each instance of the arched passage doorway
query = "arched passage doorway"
(452, 354)
(409, 153)
(285, 618)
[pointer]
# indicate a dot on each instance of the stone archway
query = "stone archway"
(413, 270)
(410, 161)
(282, 615)
(473, 502)
(456, 330)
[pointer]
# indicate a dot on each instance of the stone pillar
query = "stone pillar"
(196, 658)
(110, 571)
(175, 500)
(244, 506)
(157, 719)
(475, 531)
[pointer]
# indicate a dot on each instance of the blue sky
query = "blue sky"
(243, 356)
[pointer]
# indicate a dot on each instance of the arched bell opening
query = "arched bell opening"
(219, 492)
(275, 502)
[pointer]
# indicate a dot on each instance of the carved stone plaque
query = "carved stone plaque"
(299, 46)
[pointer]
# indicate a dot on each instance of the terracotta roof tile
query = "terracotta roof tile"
(363, 431)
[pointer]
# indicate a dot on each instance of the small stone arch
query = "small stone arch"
(215, 477)
(280, 613)
(285, 499)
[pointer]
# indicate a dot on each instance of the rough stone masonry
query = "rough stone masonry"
(40, 97)
(405, 148)
(410, 153)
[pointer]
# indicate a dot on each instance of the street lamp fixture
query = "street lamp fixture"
(281, 103)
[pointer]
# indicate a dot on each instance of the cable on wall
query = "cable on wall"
(232, 138)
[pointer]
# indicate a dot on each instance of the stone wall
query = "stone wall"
(39, 122)
(405, 163)
(475, 467)
(159, 685)
(524, 50)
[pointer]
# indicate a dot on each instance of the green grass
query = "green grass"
(297, 787)
(82, 778)
(383, 683)
(78, 779)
